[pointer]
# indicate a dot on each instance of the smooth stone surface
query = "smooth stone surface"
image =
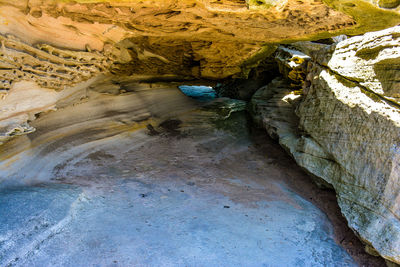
(195, 191)
(165, 228)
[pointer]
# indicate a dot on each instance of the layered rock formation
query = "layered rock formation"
(191, 38)
(347, 128)
(189, 188)
(54, 54)
(60, 44)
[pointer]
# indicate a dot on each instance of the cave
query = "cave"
(199, 133)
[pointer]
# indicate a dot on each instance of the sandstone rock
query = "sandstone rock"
(293, 65)
(47, 66)
(273, 107)
(372, 60)
(360, 133)
(347, 132)
(129, 198)
(6, 133)
(199, 35)
(64, 44)
(271, 110)
(52, 51)
(244, 89)
(224, 107)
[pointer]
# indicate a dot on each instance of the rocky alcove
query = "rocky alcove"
(199, 133)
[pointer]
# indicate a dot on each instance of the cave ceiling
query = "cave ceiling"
(204, 39)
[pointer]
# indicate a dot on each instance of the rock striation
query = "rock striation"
(336, 110)
(199, 35)
(127, 179)
(345, 129)
(58, 45)
(47, 66)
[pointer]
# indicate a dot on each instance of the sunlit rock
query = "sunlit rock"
(346, 131)
(64, 44)
(76, 74)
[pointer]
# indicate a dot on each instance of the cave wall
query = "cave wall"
(52, 49)
(344, 127)
(336, 110)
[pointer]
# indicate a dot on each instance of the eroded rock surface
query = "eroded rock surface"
(347, 130)
(54, 55)
(214, 39)
(149, 177)
(61, 45)
(45, 65)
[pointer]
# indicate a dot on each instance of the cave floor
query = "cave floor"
(195, 191)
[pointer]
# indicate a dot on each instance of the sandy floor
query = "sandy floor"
(189, 190)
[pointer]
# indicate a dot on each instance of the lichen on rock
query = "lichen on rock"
(389, 3)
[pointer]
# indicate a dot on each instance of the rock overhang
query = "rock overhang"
(64, 45)
(51, 51)
(191, 38)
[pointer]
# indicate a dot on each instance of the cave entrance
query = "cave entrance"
(201, 93)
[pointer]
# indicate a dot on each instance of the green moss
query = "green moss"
(389, 3)
(368, 16)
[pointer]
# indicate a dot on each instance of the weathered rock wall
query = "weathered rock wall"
(347, 130)
(220, 38)
(52, 51)
(62, 45)
(47, 66)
